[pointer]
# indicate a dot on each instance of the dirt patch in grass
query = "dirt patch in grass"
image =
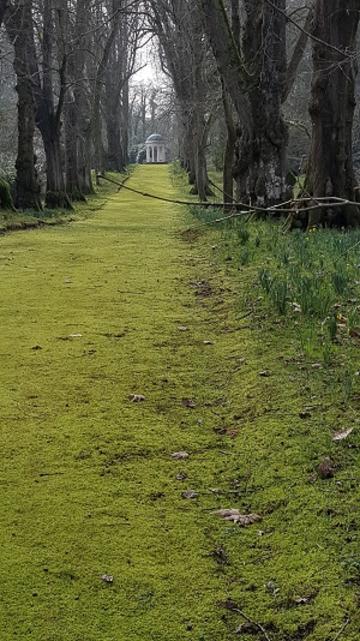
(191, 235)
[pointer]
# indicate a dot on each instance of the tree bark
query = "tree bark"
(98, 89)
(19, 28)
(178, 25)
(261, 165)
(48, 118)
(330, 169)
(72, 152)
(254, 78)
(229, 152)
(3, 7)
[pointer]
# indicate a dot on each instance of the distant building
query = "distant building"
(156, 149)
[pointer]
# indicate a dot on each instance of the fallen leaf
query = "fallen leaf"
(190, 494)
(137, 398)
(342, 435)
(188, 402)
(181, 477)
(220, 556)
(180, 456)
(107, 578)
(342, 320)
(355, 332)
(265, 373)
(296, 308)
(222, 431)
(232, 433)
(272, 588)
(247, 628)
(326, 469)
(305, 414)
(234, 515)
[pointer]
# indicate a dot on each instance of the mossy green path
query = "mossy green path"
(123, 304)
(90, 315)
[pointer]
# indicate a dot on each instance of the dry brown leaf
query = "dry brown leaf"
(305, 414)
(188, 402)
(107, 578)
(236, 517)
(355, 332)
(265, 373)
(232, 433)
(190, 494)
(180, 456)
(137, 398)
(182, 476)
(342, 435)
(326, 469)
(316, 366)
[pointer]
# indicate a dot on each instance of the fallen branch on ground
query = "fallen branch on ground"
(257, 625)
(325, 202)
(342, 629)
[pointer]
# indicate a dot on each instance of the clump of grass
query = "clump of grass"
(279, 294)
(311, 278)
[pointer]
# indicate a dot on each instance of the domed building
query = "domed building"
(156, 150)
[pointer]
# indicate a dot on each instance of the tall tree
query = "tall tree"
(19, 27)
(330, 170)
(254, 76)
(178, 26)
(3, 7)
(49, 109)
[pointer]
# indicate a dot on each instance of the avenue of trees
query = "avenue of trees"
(248, 84)
(73, 61)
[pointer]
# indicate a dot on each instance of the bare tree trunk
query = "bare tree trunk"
(48, 119)
(19, 27)
(72, 169)
(125, 125)
(3, 7)
(261, 160)
(98, 89)
(183, 46)
(114, 156)
(229, 152)
(254, 77)
(330, 170)
(76, 109)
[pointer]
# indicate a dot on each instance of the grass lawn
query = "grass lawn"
(105, 535)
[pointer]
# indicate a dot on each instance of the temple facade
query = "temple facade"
(156, 151)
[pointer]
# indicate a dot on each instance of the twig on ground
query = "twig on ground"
(253, 622)
(342, 629)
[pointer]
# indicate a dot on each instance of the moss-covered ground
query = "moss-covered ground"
(11, 220)
(128, 303)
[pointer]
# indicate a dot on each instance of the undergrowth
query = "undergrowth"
(309, 280)
(297, 298)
